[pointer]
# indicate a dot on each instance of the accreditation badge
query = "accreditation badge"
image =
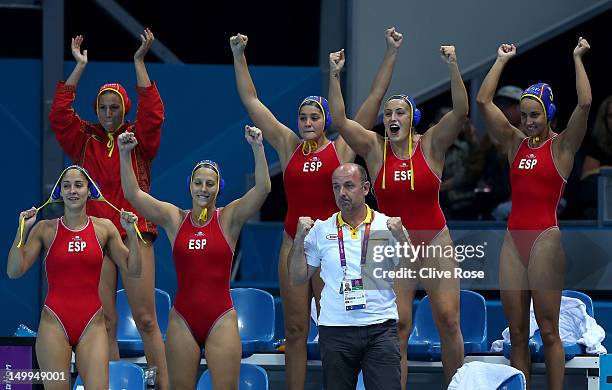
(354, 294)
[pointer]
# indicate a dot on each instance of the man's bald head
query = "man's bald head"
(348, 169)
(350, 184)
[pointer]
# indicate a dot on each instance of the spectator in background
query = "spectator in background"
(458, 178)
(494, 185)
(598, 151)
(507, 99)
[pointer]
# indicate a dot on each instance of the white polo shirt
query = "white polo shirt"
(321, 250)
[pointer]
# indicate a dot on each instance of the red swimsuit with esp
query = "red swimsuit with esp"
(308, 185)
(419, 209)
(73, 265)
(537, 187)
(203, 262)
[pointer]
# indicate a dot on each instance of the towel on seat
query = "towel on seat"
(575, 327)
(482, 376)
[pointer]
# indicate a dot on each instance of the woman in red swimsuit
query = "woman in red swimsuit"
(406, 178)
(532, 262)
(307, 162)
(203, 241)
(74, 247)
(92, 145)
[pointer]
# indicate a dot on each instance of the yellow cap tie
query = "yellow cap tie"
(50, 200)
(410, 156)
(110, 145)
(384, 163)
(309, 147)
(203, 214)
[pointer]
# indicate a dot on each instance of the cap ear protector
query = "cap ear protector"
(94, 189)
(220, 182)
(126, 103)
(323, 105)
(416, 118)
(544, 95)
(414, 110)
(207, 164)
(55, 197)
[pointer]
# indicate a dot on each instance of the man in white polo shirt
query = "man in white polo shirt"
(357, 324)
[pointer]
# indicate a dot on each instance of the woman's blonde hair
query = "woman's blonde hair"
(601, 132)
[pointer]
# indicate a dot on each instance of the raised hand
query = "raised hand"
(29, 217)
(146, 42)
(448, 54)
(393, 38)
(395, 226)
(75, 46)
(582, 47)
(506, 51)
(128, 221)
(238, 43)
(253, 135)
(304, 226)
(336, 61)
(126, 142)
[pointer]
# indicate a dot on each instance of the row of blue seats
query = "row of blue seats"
(424, 341)
(255, 309)
(256, 321)
(129, 376)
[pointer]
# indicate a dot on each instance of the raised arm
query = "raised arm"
(142, 77)
(571, 139)
(299, 269)
(21, 259)
(128, 259)
(368, 112)
(63, 119)
(446, 131)
(280, 136)
(150, 113)
(158, 212)
(243, 208)
(361, 140)
(81, 61)
(500, 130)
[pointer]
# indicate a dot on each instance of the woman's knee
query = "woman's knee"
(110, 323)
(295, 331)
(448, 323)
(146, 322)
(549, 333)
(403, 328)
(519, 335)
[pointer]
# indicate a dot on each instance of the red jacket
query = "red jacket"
(86, 144)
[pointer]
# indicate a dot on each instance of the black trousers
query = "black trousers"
(373, 349)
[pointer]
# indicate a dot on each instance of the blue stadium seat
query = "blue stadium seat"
(122, 376)
(24, 331)
(255, 310)
(279, 320)
(252, 377)
(515, 382)
(128, 337)
(536, 345)
(360, 384)
(424, 342)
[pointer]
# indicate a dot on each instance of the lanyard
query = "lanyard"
(364, 246)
